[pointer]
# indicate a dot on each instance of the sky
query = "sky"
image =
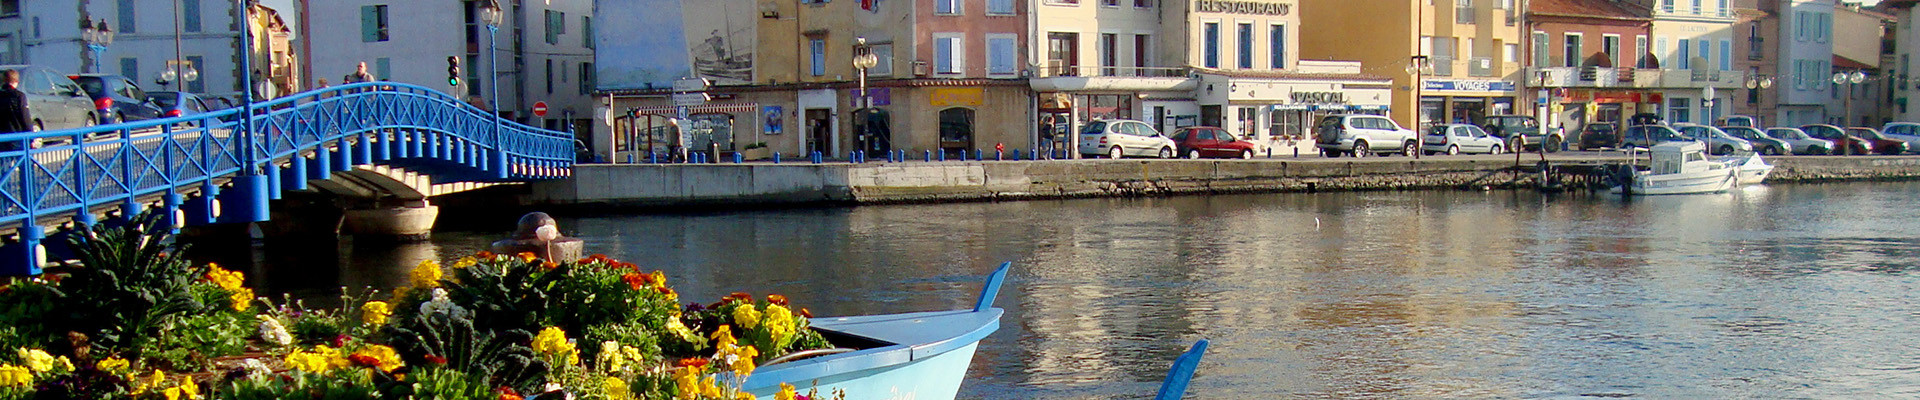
(287, 13)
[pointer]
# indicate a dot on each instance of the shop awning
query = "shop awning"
(1371, 108)
(748, 109)
(1334, 107)
(1292, 107)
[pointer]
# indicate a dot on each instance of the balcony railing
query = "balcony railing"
(1442, 66)
(1092, 71)
(1480, 67)
(1463, 15)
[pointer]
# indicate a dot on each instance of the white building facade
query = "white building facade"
(1693, 40)
(544, 50)
(1806, 62)
(150, 36)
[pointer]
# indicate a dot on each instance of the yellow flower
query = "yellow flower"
(779, 322)
(226, 279)
(426, 275)
(553, 341)
(385, 358)
(723, 336)
(242, 299)
(659, 278)
(746, 316)
(375, 313)
(113, 365)
(742, 396)
(787, 392)
(36, 360)
(464, 262)
(617, 389)
(64, 364)
(710, 387)
(173, 393)
(309, 362)
(152, 381)
(687, 379)
(15, 376)
(189, 388)
(739, 358)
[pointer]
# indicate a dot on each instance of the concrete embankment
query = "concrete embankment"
(770, 184)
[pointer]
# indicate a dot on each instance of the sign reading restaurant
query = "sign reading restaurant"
(1241, 7)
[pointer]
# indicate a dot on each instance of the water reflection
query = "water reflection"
(1791, 291)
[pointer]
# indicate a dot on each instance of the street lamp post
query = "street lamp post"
(490, 14)
(97, 36)
(1852, 80)
(863, 59)
(182, 70)
(1418, 67)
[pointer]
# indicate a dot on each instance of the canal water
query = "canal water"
(1800, 291)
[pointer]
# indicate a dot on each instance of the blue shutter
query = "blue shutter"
(586, 32)
(383, 69)
(369, 24)
(1246, 46)
(943, 55)
(1706, 54)
(1213, 45)
(1726, 55)
(130, 68)
(1003, 55)
(1685, 54)
(190, 13)
(943, 6)
(1000, 6)
(1277, 44)
(126, 17)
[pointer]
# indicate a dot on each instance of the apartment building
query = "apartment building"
(1857, 47)
(544, 50)
(1585, 54)
(1905, 38)
(1692, 43)
(1449, 60)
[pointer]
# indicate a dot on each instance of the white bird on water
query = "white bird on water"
(1316, 223)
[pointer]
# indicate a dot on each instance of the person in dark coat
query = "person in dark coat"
(14, 116)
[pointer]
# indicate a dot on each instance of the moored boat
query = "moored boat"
(1749, 169)
(922, 355)
(1679, 168)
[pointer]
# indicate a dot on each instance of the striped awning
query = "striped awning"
(1371, 108)
(1329, 108)
(1292, 107)
(747, 109)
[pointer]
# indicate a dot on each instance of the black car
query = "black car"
(116, 98)
(1598, 135)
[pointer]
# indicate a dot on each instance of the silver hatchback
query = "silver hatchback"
(1123, 138)
(54, 101)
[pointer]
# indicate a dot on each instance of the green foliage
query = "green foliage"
(131, 283)
(626, 335)
(505, 296)
(301, 385)
(84, 384)
(496, 358)
(435, 383)
(192, 342)
(25, 307)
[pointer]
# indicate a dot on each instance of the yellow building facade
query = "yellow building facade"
(1471, 51)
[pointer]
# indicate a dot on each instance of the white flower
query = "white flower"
(255, 368)
(439, 304)
(272, 332)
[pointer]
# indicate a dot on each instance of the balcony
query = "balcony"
(1463, 15)
(1055, 78)
(1586, 77)
(1442, 66)
(1481, 67)
(1689, 78)
(1596, 77)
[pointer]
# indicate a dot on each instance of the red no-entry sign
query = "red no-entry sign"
(540, 108)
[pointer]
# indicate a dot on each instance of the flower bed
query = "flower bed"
(486, 326)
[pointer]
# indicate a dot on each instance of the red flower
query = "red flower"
(365, 360)
(664, 290)
(436, 359)
(693, 362)
(484, 255)
(777, 299)
(601, 257)
(507, 393)
(636, 281)
(340, 340)
(549, 265)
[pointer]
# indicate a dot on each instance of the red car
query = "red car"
(1843, 143)
(1881, 144)
(1211, 142)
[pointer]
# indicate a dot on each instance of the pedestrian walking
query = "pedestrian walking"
(359, 75)
(14, 116)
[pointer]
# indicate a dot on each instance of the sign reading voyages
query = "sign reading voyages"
(1242, 7)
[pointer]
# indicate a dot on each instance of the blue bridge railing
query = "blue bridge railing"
(185, 164)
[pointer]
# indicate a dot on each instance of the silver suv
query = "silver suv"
(1360, 135)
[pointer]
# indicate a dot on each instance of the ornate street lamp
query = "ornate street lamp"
(864, 59)
(1851, 80)
(491, 15)
(1419, 65)
(97, 37)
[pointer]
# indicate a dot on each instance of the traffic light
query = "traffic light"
(453, 70)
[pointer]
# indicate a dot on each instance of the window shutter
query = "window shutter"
(943, 55)
(369, 24)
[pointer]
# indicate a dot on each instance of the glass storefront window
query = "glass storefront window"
(1106, 106)
(709, 129)
(1432, 111)
(1287, 124)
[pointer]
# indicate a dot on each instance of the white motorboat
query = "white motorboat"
(1749, 169)
(1679, 168)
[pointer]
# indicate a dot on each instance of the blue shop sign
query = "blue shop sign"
(1469, 86)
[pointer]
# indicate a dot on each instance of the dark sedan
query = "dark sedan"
(1843, 143)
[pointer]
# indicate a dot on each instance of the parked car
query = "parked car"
(1646, 136)
(1904, 131)
(175, 104)
(1761, 143)
(1843, 144)
(1744, 121)
(1599, 134)
(1646, 119)
(1359, 135)
(1717, 141)
(1122, 138)
(55, 101)
(1515, 128)
(1799, 142)
(1460, 138)
(1881, 143)
(116, 98)
(1210, 142)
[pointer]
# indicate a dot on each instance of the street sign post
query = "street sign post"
(690, 99)
(540, 109)
(690, 85)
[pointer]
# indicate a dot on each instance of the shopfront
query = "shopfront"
(1278, 110)
(1577, 108)
(1464, 101)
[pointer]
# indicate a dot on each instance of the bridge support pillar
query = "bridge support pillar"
(382, 144)
(409, 221)
(295, 176)
(322, 167)
(363, 152)
(247, 201)
(203, 209)
(272, 171)
(498, 159)
(24, 257)
(342, 156)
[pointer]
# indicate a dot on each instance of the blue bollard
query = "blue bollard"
(737, 158)
(1016, 154)
(927, 154)
(999, 155)
(653, 158)
(629, 158)
(776, 158)
(816, 157)
(943, 154)
(979, 155)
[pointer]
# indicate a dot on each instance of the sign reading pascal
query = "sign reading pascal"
(1242, 7)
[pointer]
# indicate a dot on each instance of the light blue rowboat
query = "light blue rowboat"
(1175, 387)
(918, 356)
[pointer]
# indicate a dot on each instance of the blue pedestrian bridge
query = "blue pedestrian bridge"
(396, 142)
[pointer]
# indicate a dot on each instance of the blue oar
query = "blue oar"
(1177, 378)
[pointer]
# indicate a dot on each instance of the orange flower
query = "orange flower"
(636, 281)
(695, 363)
(528, 256)
(777, 299)
(549, 265)
(484, 255)
(804, 312)
(601, 257)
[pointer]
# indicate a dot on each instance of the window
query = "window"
(817, 51)
(884, 54)
(1003, 54)
(1513, 52)
(1678, 109)
(1727, 54)
(1697, 7)
(1540, 52)
(948, 7)
(382, 68)
(949, 54)
(1640, 50)
(1666, 5)
(999, 7)
(1572, 51)
(1706, 55)
(586, 31)
(1211, 34)
(956, 129)
(1143, 3)
(1443, 56)
(1685, 54)
(1724, 10)
(36, 27)
(197, 85)
(549, 76)
(126, 17)
(1463, 12)
(9, 7)
(130, 68)
(1800, 21)
(1610, 44)
(473, 74)
(1141, 47)
(1063, 53)
(1824, 30)
(1110, 3)
(190, 14)
(586, 78)
(1277, 47)
(373, 24)
(1246, 46)
(556, 26)
(1109, 53)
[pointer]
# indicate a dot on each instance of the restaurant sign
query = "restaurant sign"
(1242, 7)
